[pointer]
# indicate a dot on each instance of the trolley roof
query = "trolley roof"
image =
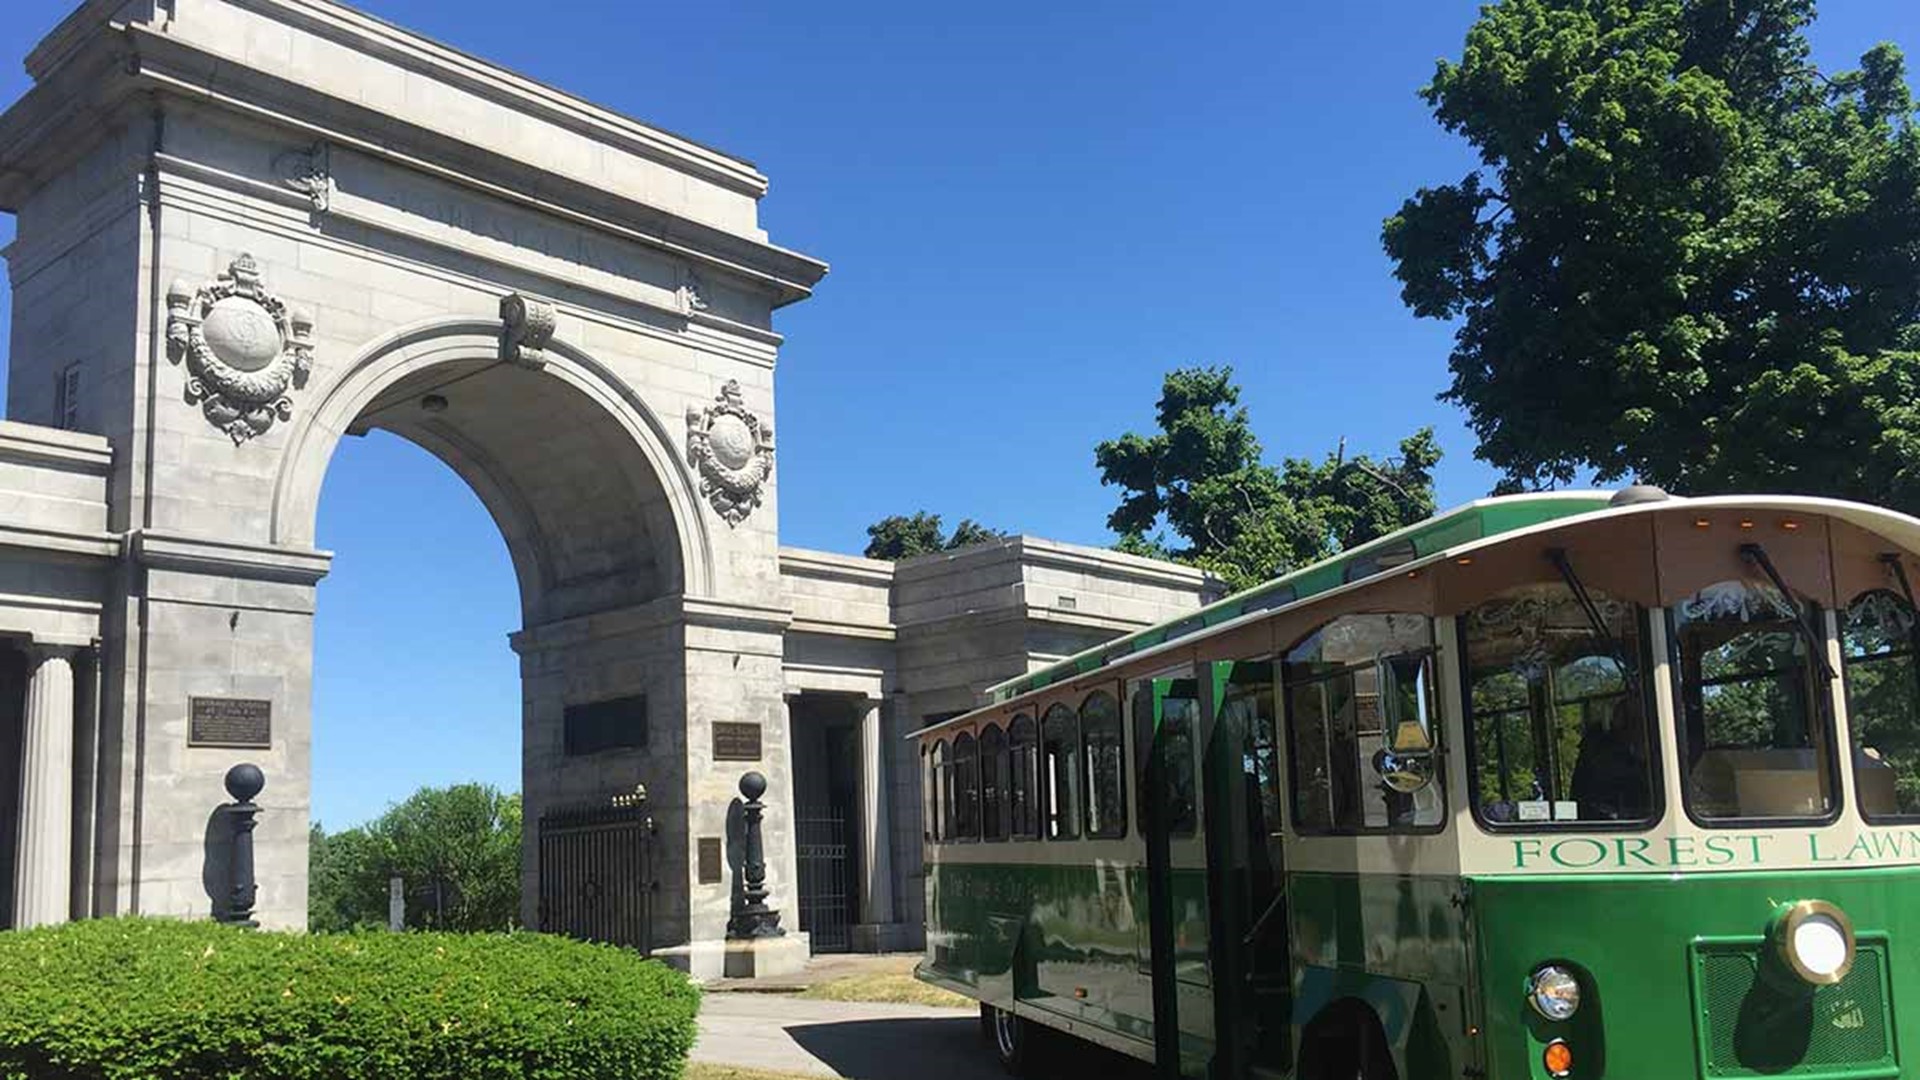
(1470, 525)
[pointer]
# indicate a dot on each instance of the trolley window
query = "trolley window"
(1106, 766)
(940, 794)
(1174, 704)
(1883, 705)
(1557, 703)
(993, 783)
(1245, 691)
(1023, 780)
(1344, 713)
(966, 787)
(1059, 770)
(1753, 715)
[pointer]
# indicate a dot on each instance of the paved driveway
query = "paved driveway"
(838, 1038)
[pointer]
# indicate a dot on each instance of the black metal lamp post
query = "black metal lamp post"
(244, 781)
(754, 919)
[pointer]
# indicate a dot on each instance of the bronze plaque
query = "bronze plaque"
(710, 860)
(736, 742)
(234, 723)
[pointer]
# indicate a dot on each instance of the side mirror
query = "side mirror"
(1409, 704)
(1404, 773)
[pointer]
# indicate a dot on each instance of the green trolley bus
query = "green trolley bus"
(1557, 785)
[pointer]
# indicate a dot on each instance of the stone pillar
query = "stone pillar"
(43, 863)
(876, 826)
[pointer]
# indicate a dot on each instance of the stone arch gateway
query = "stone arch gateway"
(251, 228)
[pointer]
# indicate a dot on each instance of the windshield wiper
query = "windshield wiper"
(1757, 555)
(1558, 556)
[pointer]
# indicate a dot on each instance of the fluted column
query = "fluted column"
(42, 870)
(876, 833)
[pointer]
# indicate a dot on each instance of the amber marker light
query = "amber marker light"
(1701, 523)
(1464, 560)
(1789, 524)
(1746, 524)
(1558, 1058)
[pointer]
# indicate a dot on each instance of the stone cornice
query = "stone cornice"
(657, 614)
(87, 545)
(835, 628)
(1033, 551)
(227, 558)
(73, 451)
(107, 69)
(834, 566)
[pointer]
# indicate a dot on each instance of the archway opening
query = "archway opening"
(566, 685)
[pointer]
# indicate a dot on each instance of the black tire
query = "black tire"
(1015, 1042)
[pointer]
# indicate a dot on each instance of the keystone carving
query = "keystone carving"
(732, 451)
(310, 172)
(526, 326)
(243, 347)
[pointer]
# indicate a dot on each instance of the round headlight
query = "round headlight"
(1553, 992)
(1815, 939)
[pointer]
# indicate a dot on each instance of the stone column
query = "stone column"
(876, 831)
(43, 861)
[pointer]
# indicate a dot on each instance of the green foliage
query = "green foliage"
(902, 536)
(1243, 519)
(137, 999)
(457, 849)
(1686, 256)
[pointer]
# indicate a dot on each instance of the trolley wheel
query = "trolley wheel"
(1014, 1041)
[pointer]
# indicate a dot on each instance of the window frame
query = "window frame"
(1649, 693)
(1050, 817)
(1820, 692)
(1284, 715)
(1195, 825)
(1847, 664)
(999, 805)
(966, 788)
(940, 765)
(1117, 718)
(1031, 774)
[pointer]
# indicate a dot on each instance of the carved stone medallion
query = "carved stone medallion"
(526, 326)
(733, 452)
(243, 347)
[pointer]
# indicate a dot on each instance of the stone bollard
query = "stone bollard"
(244, 781)
(753, 919)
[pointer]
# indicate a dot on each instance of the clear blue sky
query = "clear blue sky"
(1032, 212)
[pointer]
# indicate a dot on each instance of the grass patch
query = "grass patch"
(892, 987)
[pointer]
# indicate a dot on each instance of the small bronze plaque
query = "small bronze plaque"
(235, 723)
(736, 742)
(710, 860)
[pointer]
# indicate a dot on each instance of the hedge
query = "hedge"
(117, 999)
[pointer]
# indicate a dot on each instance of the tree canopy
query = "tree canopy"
(902, 536)
(1686, 255)
(1242, 518)
(456, 850)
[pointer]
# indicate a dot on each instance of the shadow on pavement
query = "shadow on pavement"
(940, 1049)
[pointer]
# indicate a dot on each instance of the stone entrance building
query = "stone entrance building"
(248, 229)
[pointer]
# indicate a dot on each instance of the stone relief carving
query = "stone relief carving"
(526, 326)
(309, 171)
(243, 347)
(732, 451)
(693, 291)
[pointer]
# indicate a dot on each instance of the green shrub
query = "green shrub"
(146, 998)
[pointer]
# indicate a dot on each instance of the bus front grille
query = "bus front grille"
(1755, 1023)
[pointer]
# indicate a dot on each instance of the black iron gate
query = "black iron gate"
(826, 879)
(596, 872)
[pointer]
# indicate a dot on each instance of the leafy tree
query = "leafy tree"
(457, 850)
(1243, 519)
(1686, 255)
(902, 536)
